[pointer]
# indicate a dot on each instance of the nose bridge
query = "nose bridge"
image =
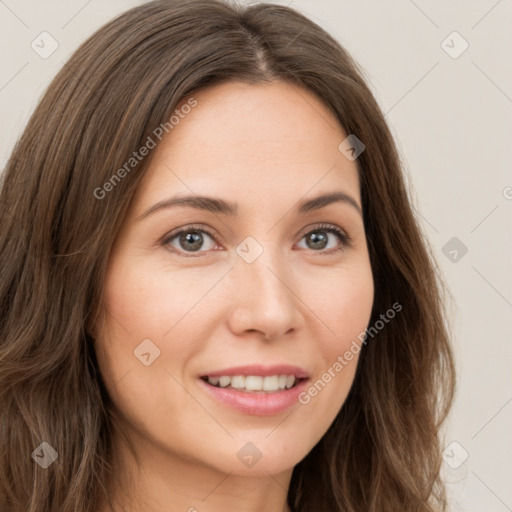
(264, 287)
(259, 264)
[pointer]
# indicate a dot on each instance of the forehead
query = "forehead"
(241, 140)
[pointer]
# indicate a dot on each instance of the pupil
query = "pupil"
(322, 240)
(194, 238)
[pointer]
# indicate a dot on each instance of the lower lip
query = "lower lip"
(257, 403)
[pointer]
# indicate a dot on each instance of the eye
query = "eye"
(191, 239)
(318, 239)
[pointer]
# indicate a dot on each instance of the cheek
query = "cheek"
(345, 306)
(149, 298)
(151, 311)
(141, 367)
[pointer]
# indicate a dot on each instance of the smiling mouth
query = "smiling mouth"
(254, 383)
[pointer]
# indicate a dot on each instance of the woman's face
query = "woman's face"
(255, 293)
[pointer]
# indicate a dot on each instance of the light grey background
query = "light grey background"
(452, 119)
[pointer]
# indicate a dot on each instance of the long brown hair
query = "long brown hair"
(382, 452)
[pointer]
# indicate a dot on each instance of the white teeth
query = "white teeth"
(271, 383)
(238, 382)
(253, 383)
(214, 380)
(224, 381)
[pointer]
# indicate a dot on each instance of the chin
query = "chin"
(260, 454)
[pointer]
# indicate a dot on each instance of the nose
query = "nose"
(265, 297)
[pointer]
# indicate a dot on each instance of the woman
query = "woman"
(214, 292)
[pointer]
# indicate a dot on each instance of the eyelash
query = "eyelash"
(346, 240)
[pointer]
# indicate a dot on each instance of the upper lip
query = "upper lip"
(260, 370)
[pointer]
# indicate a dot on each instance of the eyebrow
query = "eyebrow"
(216, 205)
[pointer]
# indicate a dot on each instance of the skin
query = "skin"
(266, 147)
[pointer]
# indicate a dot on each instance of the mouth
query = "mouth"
(256, 389)
(254, 383)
